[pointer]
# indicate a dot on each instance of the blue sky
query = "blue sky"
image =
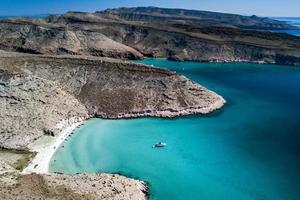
(246, 7)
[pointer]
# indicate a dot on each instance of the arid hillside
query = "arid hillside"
(133, 33)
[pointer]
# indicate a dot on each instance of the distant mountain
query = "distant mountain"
(204, 18)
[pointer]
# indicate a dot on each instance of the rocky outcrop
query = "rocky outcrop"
(77, 187)
(17, 185)
(41, 94)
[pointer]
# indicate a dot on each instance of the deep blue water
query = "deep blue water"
(249, 150)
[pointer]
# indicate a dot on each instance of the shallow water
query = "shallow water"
(248, 150)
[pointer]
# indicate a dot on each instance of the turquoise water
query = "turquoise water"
(249, 150)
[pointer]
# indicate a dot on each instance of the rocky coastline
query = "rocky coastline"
(76, 187)
(44, 97)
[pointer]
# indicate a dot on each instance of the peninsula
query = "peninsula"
(42, 96)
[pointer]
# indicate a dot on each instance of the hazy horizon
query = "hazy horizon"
(276, 8)
(46, 14)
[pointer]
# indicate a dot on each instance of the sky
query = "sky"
(272, 8)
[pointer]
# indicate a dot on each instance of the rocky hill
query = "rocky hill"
(44, 94)
(172, 33)
(29, 36)
(203, 18)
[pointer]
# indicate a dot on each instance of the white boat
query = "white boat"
(159, 144)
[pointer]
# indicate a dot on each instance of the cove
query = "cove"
(249, 150)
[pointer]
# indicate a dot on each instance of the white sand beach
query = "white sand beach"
(45, 148)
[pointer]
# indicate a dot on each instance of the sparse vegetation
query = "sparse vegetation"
(21, 158)
(20, 164)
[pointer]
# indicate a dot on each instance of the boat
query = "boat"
(159, 145)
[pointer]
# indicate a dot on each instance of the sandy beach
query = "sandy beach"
(46, 147)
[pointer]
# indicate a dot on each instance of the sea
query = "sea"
(294, 21)
(248, 150)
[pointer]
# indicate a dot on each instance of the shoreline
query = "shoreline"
(46, 149)
(170, 114)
